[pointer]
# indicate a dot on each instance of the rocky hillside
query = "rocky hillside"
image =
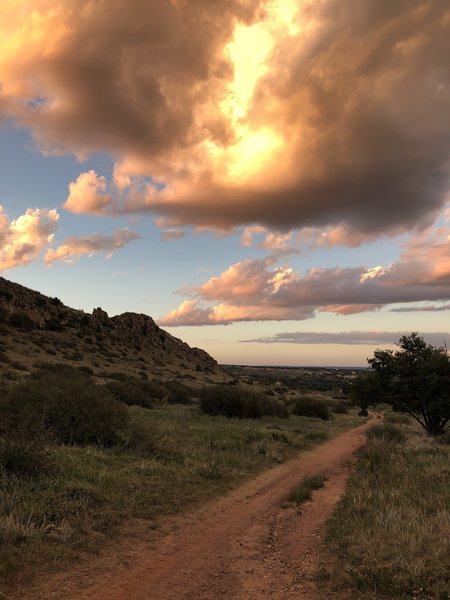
(35, 329)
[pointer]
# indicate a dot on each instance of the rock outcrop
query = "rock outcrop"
(121, 340)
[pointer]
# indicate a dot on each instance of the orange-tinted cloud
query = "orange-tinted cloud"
(87, 194)
(73, 248)
(282, 114)
(24, 238)
(255, 290)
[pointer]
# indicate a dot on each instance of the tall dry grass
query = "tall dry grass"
(390, 535)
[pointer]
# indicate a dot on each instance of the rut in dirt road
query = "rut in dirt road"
(243, 546)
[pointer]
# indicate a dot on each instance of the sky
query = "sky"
(268, 179)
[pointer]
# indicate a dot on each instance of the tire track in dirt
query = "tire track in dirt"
(243, 546)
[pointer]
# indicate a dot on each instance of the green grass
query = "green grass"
(390, 535)
(182, 458)
(303, 491)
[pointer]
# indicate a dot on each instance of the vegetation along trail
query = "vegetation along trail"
(249, 544)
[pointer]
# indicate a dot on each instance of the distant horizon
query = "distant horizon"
(347, 368)
(352, 343)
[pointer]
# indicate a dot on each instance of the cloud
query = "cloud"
(190, 313)
(260, 289)
(73, 248)
(278, 243)
(368, 338)
(172, 234)
(23, 239)
(427, 308)
(249, 233)
(87, 194)
(239, 112)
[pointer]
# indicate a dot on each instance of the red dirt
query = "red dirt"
(243, 546)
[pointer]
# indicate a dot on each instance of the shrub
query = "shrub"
(23, 436)
(237, 403)
(387, 433)
(221, 400)
(311, 407)
(81, 413)
(53, 325)
(156, 390)
(18, 366)
(51, 371)
(444, 438)
(66, 403)
(6, 295)
(23, 457)
(4, 358)
(178, 393)
(339, 407)
(397, 418)
(86, 369)
(132, 391)
(21, 320)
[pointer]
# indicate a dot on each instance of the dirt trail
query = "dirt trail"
(243, 546)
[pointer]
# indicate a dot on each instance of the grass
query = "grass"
(303, 491)
(182, 458)
(390, 535)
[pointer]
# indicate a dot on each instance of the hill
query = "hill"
(36, 329)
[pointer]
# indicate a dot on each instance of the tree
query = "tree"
(416, 380)
(365, 391)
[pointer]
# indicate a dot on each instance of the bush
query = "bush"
(387, 433)
(23, 436)
(21, 320)
(339, 407)
(311, 407)
(131, 391)
(63, 403)
(22, 457)
(444, 438)
(86, 369)
(229, 402)
(178, 393)
(222, 401)
(138, 392)
(397, 418)
(83, 414)
(53, 325)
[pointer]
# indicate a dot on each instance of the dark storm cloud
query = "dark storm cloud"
(348, 123)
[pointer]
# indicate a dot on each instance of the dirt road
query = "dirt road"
(243, 546)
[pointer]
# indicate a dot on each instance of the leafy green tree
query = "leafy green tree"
(365, 391)
(416, 380)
